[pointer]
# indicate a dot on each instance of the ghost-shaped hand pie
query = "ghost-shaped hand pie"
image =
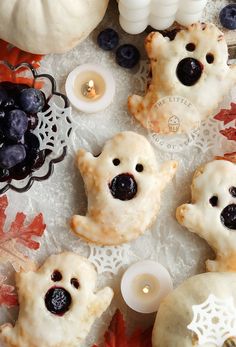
(201, 311)
(190, 76)
(212, 213)
(57, 304)
(124, 185)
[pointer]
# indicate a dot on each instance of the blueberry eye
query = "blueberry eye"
(190, 47)
(232, 191)
(213, 201)
(210, 58)
(75, 283)
(56, 276)
(116, 161)
(139, 167)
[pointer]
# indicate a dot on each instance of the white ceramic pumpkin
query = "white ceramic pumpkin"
(49, 26)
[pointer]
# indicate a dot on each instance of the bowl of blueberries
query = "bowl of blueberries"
(35, 126)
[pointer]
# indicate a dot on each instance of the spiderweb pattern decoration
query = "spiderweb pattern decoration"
(109, 259)
(214, 321)
(54, 127)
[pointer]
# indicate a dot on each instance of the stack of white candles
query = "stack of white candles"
(136, 15)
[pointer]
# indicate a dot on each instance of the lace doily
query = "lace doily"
(63, 195)
(214, 321)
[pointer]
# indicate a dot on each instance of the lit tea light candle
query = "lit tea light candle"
(144, 285)
(90, 88)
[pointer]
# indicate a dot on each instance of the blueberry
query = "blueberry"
(32, 100)
(2, 115)
(56, 276)
(20, 171)
(11, 155)
(4, 174)
(33, 121)
(31, 142)
(228, 16)
(58, 300)
(35, 157)
(108, 39)
(123, 187)
(16, 125)
(3, 96)
(232, 191)
(9, 104)
(214, 200)
(228, 217)
(189, 71)
(127, 56)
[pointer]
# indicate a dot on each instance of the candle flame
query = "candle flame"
(146, 289)
(91, 84)
(89, 90)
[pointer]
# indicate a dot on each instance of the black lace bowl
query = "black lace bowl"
(53, 127)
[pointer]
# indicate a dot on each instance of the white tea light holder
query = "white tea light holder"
(135, 16)
(144, 285)
(90, 88)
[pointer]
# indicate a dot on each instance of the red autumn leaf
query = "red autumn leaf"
(227, 116)
(230, 133)
(139, 339)
(116, 336)
(18, 234)
(8, 297)
(229, 157)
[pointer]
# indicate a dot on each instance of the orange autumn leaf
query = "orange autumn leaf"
(227, 116)
(15, 56)
(116, 336)
(18, 233)
(8, 297)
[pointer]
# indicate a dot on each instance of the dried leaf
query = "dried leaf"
(116, 336)
(8, 297)
(229, 157)
(18, 234)
(15, 56)
(230, 133)
(227, 116)
(139, 339)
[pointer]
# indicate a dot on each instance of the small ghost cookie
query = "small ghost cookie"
(190, 76)
(171, 328)
(57, 304)
(124, 184)
(212, 213)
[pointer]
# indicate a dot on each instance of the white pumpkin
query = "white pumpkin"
(49, 26)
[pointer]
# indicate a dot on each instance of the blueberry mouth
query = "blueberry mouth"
(189, 71)
(58, 300)
(123, 187)
(228, 217)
